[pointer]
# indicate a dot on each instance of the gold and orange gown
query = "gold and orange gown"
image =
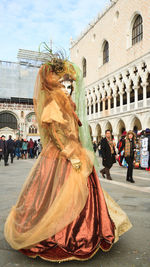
(61, 213)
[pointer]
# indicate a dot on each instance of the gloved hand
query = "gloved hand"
(76, 163)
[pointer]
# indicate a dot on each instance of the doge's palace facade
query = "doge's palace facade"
(114, 55)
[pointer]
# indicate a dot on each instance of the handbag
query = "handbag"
(124, 163)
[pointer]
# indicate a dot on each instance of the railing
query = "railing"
(124, 108)
(148, 102)
(140, 104)
(114, 111)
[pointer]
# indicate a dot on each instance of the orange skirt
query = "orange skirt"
(80, 240)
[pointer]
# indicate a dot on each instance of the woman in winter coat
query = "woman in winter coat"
(129, 146)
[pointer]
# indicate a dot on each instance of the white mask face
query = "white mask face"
(67, 88)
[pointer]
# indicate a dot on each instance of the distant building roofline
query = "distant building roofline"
(29, 55)
(17, 100)
(93, 23)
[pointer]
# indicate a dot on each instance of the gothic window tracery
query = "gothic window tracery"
(137, 30)
(32, 129)
(140, 90)
(124, 95)
(84, 67)
(118, 98)
(132, 93)
(106, 53)
(8, 120)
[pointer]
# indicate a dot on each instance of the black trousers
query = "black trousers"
(129, 160)
(106, 171)
(10, 152)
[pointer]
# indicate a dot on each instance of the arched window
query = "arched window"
(111, 99)
(148, 87)
(96, 105)
(101, 103)
(84, 67)
(92, 106)
(132, 95)
(32, 129)
(106, 53)
(87, 110)
(140, 90)
(137, 30)
(8, 120)
(124, 96)
(106, 102)
(118, 98)
(87, 107)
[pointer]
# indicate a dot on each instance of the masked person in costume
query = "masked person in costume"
(62, 212)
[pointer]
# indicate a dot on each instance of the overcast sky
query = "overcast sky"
(26, 23)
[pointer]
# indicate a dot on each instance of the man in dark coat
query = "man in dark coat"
(108, 154)
(10, 148)
(3, 150)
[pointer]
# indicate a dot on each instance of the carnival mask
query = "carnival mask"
(67, 87)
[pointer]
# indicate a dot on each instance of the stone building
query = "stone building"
(17, 79)
(114, 55)
(17, 118)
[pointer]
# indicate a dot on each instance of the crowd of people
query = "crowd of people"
(19, 149)
(131, 151)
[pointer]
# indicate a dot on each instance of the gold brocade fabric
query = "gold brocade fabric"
(119, 217)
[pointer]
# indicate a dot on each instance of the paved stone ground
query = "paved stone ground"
(133, 248)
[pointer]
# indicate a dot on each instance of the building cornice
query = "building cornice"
(93, 23)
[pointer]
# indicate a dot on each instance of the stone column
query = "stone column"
(144, 85)
(128, 99)
(103, 104)
(109, 107)
(115, 103)
(90, 110)
(121, 101)
(135, 96)
(94, 107)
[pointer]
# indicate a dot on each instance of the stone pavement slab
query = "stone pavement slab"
(132, 249)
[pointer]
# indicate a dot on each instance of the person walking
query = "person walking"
(35, 150)
(99, 149)
(31, 145)
(10, 148)
(18, 147)
(119, 146)
(129, 146)
(108, 154)
(94, 146)
(39, 145)
(3, 150)
(24, 149)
